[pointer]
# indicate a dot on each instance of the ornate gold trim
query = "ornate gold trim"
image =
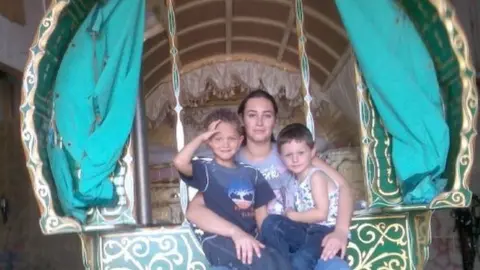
(459, 43)
(459, 195)
(50, 221)
(376, 197)
(372, 233)
(175, 245)
(88, 243)
(39, 56)
(423, 237)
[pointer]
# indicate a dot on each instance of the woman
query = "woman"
(258, 112)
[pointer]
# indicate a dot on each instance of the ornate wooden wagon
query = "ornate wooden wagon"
(387, 233)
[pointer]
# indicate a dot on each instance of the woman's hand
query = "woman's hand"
(212, 130)
(245, 245)
(333, 243)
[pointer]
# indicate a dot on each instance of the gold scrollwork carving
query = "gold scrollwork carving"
(366, 252)
(377, 195)
(452, 199)
(151, 251)
(461, 62)
(50, 32)
(423, 237)
(469, 103)
(50, 222)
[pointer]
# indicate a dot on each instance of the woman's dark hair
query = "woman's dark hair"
(258, 93)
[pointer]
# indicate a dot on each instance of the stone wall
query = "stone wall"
(16, 39)
(445, 248)
(469, 17)
(22, 245)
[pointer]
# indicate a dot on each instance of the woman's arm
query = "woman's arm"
(338, 239)
(263, 196)
(345, 203)
(261, 214)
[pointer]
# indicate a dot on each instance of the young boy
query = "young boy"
(235, 192)
(299, 234)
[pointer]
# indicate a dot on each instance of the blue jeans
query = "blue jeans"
(300, 242)
(220, 252)
(334, 264)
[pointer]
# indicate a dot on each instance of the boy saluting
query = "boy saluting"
(234, 191)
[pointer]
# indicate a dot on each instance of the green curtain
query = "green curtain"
(402, 82)
(94, 104)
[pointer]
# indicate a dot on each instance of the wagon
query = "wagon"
(205, 54)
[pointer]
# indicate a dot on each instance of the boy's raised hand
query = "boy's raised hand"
(212, 130)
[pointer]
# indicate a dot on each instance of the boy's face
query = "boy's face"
(226, 142)
(297, 156)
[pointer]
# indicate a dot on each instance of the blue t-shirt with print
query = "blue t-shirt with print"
(281, 181)
(232, 193)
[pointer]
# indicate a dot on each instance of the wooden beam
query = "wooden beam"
(159, 8)
(338, 67)
(286, 33)
(204, 43)
(228, 25)
(17, 74)
(13, 10)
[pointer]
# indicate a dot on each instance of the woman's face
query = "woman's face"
(259, 119)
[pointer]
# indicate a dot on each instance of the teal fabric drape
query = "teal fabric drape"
(402, 82)
(94, 104)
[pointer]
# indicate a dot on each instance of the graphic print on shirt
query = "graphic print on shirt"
(279, 179)
(277, 205)
(242, 193)
(272, 174)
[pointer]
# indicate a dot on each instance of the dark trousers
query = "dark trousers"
(220, 251)
(300, 242)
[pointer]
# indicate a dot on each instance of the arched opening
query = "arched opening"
(225, 49)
